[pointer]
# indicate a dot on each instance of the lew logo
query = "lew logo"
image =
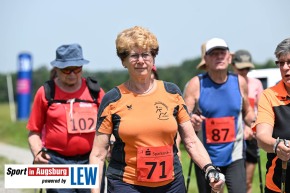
(84, 176)
(51, 176)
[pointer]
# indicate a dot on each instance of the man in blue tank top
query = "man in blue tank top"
(222, 98)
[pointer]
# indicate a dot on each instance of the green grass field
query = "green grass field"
(15, 133)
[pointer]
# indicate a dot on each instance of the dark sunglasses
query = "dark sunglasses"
(70, 70)
(282, 63)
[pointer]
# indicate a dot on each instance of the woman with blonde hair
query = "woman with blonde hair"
(145, 115)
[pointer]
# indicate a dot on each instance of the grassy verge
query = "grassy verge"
(193, 185)
(4, 161)
(15, 133)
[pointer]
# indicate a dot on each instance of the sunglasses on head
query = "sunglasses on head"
(71, 69)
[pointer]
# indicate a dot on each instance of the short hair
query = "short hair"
(136, 37)
(283, 48)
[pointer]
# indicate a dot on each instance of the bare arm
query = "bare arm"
(266, 141)
(197, 152)
(248, 112)
(193, 145)
(98, 153)
(191, 97)
(191, 93)
(35, 143)
(264, 137)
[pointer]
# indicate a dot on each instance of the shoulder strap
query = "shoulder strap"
(94, 88)
(49, 89)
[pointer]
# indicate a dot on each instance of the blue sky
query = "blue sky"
(39, 27)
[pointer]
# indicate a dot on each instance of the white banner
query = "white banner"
(51, 176)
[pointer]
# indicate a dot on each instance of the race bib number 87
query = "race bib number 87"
(220, 130)
(154, 164)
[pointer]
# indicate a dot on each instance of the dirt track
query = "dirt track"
(19, 155)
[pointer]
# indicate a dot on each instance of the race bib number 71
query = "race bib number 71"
(154, 164)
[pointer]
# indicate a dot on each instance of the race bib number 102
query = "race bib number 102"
(82, 120)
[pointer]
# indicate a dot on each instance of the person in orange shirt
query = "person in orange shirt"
(61, 130)
(272, 124)
(145, 115)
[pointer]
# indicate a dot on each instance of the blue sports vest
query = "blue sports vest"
(222, 100)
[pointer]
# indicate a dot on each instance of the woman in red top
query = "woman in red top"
(65, 126)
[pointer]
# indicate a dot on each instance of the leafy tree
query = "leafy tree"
(179, 75)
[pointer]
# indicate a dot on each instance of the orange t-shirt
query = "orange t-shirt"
(145, 128)
(274, 109)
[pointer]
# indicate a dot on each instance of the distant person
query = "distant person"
(144, 115)
(242, 63)
(52, 73)
(68, 117)
(272, 124)
(222, 101)
(201, 65)
(154, 73)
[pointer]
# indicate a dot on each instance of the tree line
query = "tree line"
(178, 74)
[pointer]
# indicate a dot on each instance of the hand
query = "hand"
(41, 158)
(283, 152)
(215, 177)
(196, 121)
(217, 182)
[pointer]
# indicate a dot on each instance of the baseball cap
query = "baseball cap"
(215, 43)
(243, 59)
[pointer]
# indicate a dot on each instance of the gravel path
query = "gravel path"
(19, 155)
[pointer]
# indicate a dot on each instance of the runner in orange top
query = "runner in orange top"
(272, 125)
(144, 115)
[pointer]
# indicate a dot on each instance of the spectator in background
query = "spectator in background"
(222, 98)
(201, 65)
(242, 64)
(53, 73)
(154, 74)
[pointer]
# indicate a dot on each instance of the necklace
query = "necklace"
(134, 90)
